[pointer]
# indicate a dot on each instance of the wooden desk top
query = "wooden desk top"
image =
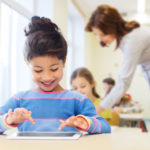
(113, 141)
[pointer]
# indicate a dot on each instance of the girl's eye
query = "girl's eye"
(74, 89)
(53, 70)
(38, 71)
(83, 86)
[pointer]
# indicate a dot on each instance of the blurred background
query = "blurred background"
(83, 48)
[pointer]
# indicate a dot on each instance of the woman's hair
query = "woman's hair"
(44, 38)
(85, 73)
(110, 21)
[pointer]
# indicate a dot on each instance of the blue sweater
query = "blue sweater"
(48, 108)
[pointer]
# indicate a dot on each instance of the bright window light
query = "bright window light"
(141, 6)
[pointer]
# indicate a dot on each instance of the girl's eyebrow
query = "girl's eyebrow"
(37, 66)
(49, 66)
(54, 64)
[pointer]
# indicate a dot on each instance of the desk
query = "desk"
(116, 129)
(132, 120)
(131, 116)
(114, 141)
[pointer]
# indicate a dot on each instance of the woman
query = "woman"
(134, 41)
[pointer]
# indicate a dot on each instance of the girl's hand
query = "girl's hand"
(19, 115)
(75, 122)
(117, 110)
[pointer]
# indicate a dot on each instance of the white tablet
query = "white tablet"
(44, 135)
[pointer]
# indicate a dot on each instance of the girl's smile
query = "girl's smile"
(47, 71)
(48, 84)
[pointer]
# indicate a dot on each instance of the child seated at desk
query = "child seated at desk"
(83, 82)
(108, 84)
(49, 107)
(126, 104)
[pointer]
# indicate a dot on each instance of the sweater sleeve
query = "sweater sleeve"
(96, 124)
(11, 103)
(131, 55)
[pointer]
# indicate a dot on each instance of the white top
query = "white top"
(136, 50)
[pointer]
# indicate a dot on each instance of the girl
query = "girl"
(83, 82)
(133, 40)
(108, 84)
(125, 104)
(49, 107)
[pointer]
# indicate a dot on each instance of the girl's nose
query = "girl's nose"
(80, 91)
(46, 76)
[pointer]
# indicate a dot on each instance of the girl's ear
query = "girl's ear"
(93, 84)
(26, 62)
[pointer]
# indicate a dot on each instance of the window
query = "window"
(13, 68)
(14, 73)
(28, 4)
(75, 57)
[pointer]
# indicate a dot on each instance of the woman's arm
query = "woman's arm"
(131, 56)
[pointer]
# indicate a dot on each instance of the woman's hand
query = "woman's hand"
(19, 115)
(75, 122)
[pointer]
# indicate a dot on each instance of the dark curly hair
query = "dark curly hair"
(44, 38)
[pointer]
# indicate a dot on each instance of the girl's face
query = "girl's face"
(106, 86)
(104, 39)
(47, 71)
(81, 85)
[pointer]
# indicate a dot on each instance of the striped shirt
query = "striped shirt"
(48, 108)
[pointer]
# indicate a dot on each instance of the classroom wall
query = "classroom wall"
(104, 62)
(60, 17)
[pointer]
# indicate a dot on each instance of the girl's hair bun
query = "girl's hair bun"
(44, 38)
(41, 24)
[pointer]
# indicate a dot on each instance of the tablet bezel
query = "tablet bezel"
(76, 135)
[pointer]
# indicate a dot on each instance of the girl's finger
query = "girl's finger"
(61, 121)
(28, 116)
(31, 119)
(68, 122)
(10, 112)
(17, 112)
(63, 125)
(25, 110)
